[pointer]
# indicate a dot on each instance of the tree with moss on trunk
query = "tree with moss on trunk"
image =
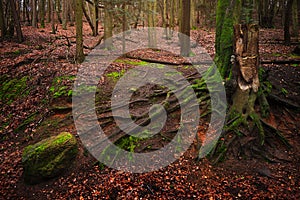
(237, 58)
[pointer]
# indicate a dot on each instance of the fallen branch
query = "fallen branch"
(151, 60)
(280, 62)
(93, 47)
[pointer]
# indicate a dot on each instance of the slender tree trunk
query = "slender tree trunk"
(193, 14)
(72, 11)
(2, 21)
(185, 44)
(108, 26)
(34, 14)
(42, 13)
(295, 11)
(17, 23)
(151, 24)
(172, 15)
(52, 16)
(95, 17)
(287, 20)
(57, 9)
(179, 16)
(88, 19)
(65, 14)
(164, 17)
(124, 22)
(49, 5)
(79, 36)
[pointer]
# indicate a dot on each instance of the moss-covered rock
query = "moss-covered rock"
(49, 157)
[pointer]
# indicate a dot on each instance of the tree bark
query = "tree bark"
(17, 23)
(2, 21)
(152, 23)
(52, 16)
(108, 25)
(65, 14)
(185, 44)
(246, 70)
(295, 12)
(228, 14)
(42, 13)
(287, 21)
(34, 14)
(79, 36)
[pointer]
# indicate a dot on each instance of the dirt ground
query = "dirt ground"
(44, 56)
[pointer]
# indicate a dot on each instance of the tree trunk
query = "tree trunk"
(88, 19)
(246, 70)
(42, 13)
(95, 17)
(108, 25)
(266, 12)
(52, 16)
(228, 14)
(34, 14)
(193, 14)
(49, 5)
(17, 23)
(79, 36)
(287, 21)
(172, 15)
(65, 14)
(151, 24)
(295, 11)
(2, 21)
(57, 9)
(185, 44)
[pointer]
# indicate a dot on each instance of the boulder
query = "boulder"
(49, 158)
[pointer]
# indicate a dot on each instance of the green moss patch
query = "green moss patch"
(131, 62)
(61, 86)
(12, 89)
(49, 157)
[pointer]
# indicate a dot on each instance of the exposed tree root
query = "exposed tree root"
(242, 140)
(284, 102)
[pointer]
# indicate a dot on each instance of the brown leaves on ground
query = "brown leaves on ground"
(43, 57)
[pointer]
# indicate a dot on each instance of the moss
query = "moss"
(49, 157)
(116, 75)
(59, 86)
(130, 62)
(13, 89)
(227, 16)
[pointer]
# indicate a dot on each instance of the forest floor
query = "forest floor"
(36, 78)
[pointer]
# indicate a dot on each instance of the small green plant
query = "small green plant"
(295, 65)
(277, 54)
(17, 52)
(116, 75)
(59, 86)
(128, 143)
(284, 91)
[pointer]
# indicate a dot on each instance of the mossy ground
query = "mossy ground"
(13, 89)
